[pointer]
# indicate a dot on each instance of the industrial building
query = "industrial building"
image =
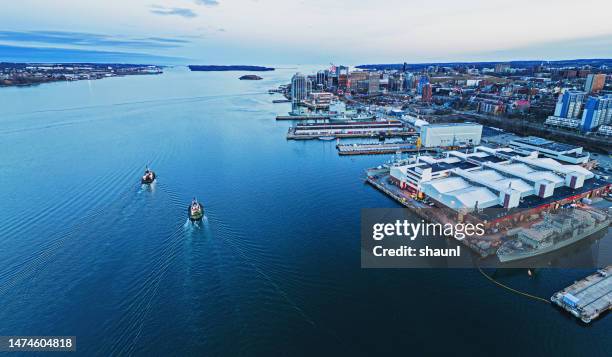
(451, 134)
(561, 152)
(508, 181)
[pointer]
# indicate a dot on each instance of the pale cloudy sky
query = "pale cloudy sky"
(315, 31)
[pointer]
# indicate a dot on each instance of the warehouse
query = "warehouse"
(451, 134)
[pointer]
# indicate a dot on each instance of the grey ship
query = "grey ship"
(554, 232)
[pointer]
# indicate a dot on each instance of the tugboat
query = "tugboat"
(195, 211)
(148, 177)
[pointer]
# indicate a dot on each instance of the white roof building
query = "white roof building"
(487, 177)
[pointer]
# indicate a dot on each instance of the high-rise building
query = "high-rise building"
(299, 89)
(396, 82)
(322, 78)
(570, 104)
(422, 82)
(408, 81)
(594, 83)
(373, 83)
(502, 67)
(597, 111)
(427, 93)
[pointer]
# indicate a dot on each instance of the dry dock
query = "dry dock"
(588, 298)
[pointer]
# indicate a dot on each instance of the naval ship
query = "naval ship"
(553, 232)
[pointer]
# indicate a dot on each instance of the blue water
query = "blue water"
(274, 268)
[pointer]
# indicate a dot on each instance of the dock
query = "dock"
(588, 298)
(302, 117)
(375, 149)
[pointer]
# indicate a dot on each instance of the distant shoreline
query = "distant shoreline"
(480, 64)
(215, 68)
(29, 74)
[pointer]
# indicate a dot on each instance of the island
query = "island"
(250, 77)
(213, 68)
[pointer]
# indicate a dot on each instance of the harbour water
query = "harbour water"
(274, 269)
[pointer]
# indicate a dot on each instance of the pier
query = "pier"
(302, 117)
(375, 149)
(350, 129)
(587, 298)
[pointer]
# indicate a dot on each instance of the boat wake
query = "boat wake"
(190, 226)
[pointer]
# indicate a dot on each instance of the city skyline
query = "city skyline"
(283, 32)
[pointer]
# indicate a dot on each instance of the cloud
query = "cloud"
(71, 55)
(169, 11)
(207, 2)
(88, 39)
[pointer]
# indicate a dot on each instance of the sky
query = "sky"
(305, 32)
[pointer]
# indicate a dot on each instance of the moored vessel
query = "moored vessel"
(553, 233)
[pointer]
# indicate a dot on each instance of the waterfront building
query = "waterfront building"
(597, 111)
(298, 88)
(570, 104)
(518, 184)
(451, 134)
(559, 151)
(594, 83)
(318, 100)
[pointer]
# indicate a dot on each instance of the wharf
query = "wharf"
(587, 298)
(302, 117)
(293, 135)
(380, 181)
(375, 149)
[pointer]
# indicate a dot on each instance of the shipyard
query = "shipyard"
(458, 169)
(450, 163)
